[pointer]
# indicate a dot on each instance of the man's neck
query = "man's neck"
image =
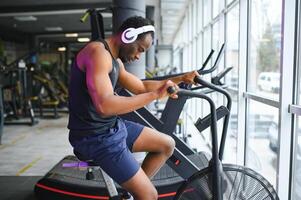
(113, 45)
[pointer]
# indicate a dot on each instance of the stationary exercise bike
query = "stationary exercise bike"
(221, 181)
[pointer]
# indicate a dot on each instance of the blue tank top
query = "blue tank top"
(83, 116)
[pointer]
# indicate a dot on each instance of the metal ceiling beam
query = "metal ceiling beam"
(62, 34)
(52, 7)
(50, 12)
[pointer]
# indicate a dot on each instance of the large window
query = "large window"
(232, 55)
(265, 44)
(232, 46)
(263, 85)
(259, 133)
(262, 139)
(296, 182)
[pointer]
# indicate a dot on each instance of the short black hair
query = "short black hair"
(136, 22)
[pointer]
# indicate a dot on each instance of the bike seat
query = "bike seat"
(83, 159)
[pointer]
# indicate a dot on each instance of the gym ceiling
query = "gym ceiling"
(50, 20)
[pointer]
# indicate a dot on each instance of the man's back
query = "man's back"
(83, 117)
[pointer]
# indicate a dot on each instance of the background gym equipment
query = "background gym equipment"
(16, 100)
(218, 181)
(51, 94)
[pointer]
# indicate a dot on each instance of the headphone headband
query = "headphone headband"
(130, 34)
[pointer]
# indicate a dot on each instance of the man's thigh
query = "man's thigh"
(151, 140)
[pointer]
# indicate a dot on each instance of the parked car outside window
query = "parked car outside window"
(269, 81)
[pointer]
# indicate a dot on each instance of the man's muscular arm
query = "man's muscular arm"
(136, 86)
(98, 64)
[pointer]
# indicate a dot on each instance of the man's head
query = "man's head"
(131, 50)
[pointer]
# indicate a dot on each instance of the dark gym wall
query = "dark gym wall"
(121, 11)
(14, 50)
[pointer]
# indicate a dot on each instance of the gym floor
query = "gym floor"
(28, 153)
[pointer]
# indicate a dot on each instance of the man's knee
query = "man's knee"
(169, 146)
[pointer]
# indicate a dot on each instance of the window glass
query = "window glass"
(296, 193)
(199, 15)
(216, 40)
(265, 48)
(296, 182)
(262, 139)
(199, 59)
(207, 43)
(216, 4)
(207, 12)
(231, 79)
(230, 1)
(232, 47)
(194, 18)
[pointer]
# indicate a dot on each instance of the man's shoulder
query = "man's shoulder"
(95, 46)
(96, 49)
(93, 52)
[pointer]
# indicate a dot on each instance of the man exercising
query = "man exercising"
(96, 131)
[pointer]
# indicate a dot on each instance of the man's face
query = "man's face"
(131, 52)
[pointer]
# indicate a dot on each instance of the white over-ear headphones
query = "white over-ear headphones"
(129, 35)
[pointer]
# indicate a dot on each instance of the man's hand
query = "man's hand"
(189, 77)
(162, 91)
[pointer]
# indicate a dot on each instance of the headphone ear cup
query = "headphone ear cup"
(129, 35)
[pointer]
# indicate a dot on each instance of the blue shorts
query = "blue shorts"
(111, 150)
